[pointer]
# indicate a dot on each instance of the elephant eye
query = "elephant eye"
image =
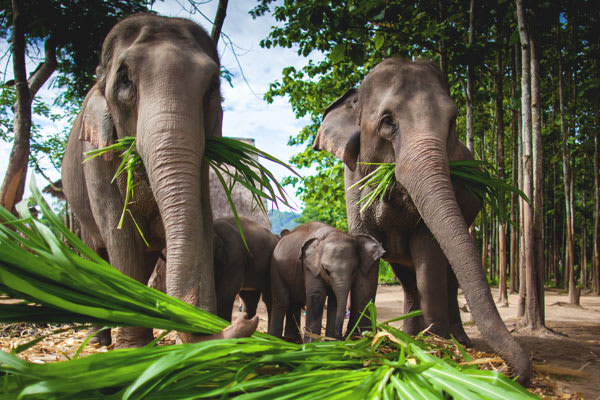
(124, 87)
(387, 126)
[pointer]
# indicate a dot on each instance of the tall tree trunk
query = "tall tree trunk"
(13, 185)
(596, 244)
(583, 274)
(532, 314)
(538, 187)
(570, 245)
(470, 134)
(16, 172)
(219, 19)
(502, 290)
(442, 42)
(515, 157)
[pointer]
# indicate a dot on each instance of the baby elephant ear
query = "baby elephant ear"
(370, 252)
(310, 256)
(96, 123)
(339, 133)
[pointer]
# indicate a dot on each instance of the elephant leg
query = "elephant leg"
(316, 292)
(101, 336)
(280, 305)
(331, 313)
(364, 288)
(408, 278)
(225, 305)
(266, 298)
(250, 298)
(456, 327)
(292, 324)
(431, 267)
(126, 249)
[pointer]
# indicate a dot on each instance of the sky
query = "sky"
(245, 113)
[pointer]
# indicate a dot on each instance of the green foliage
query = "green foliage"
(227, 157)
(58, 284)
(386, 275)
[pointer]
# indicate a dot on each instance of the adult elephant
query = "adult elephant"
(402, 113)
(158, 80)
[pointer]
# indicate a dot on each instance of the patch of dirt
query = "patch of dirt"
(567, 365)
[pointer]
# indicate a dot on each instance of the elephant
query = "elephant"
(239, 269)
(310, 263)
(158, 80)
(402, 113)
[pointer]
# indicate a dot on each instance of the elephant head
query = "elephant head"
(337, 258)
(158, 80)
(402, 113)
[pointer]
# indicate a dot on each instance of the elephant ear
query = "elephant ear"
(339, 133)
(97, 126)
(370, 252)
(310, 256)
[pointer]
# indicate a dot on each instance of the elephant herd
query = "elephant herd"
(158, 79)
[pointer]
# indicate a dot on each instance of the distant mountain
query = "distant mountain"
(282, 220)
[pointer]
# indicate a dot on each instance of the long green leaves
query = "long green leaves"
(227, 157)
(38, 266)
(472, 175)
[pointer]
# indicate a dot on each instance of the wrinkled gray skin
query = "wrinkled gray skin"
(402, 113)
(158, 80)
(310, 263)
(240, 271)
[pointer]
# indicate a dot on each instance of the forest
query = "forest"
(528, 97)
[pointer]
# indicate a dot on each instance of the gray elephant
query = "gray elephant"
(313, 262)
(402, 113)
(158, 80)
(242, 270)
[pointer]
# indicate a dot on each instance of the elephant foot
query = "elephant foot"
(128, 337)
(240, 328)
(461, 336)
(101, 336)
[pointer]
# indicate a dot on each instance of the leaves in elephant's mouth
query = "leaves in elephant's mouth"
(227, 157)
(474, 176)
(39, 264)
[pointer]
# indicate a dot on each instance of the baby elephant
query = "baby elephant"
(310, 263)
(240, 271)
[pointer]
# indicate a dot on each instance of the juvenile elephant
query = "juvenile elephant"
(158, 80)
(312, 262)
(242, 270)
(402, 113)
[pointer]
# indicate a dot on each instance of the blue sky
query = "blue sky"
(246, 114)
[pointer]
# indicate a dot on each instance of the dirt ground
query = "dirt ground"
(575, 347)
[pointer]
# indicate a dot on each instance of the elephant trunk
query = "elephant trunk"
(422, 168)
(341, 296)
(172, 145)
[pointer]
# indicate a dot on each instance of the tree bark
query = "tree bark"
(514, 205)
(532, 312)
(470, 139)
(596, 244)
(16, 172)
(502, 262)
(538, 184)
(570, 245)
(13, 185)
(215, 34)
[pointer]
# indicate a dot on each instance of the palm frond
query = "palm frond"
(474, 176)
(232, 160)
(38, 266)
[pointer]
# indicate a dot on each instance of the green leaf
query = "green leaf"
(338, 53)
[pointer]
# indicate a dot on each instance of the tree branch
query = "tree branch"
(219, 19)
(45, 69)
